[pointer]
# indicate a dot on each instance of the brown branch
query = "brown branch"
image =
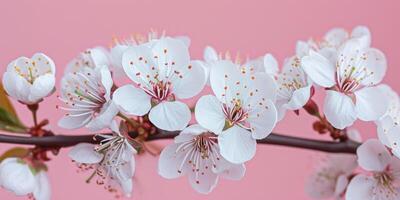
(274, 139)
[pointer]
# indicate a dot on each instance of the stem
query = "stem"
(33, 108)
(127, 119)
(274, 139)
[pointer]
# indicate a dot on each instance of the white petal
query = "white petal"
(16, 176)
(336, 36)
(270, 64)
(85, 153)
(139, 65)
(376, 64)
(225, 79)
(42, 190)
(43, 62)
(339, 109)
(193, 130)
(106, 81)
(170, 161)
(184, 39)
(363, 34)
(132, 100)
(170, 116)
(100, 56)
(361, 187)
(234, 172)
(262, 122)
(370, 105)
(319, 69)
(127, 187)
(302, 48)
(237, 145)
(393, 136)
(72, 122)
(299, 98)
(104, 119)
(16, 86)
(210, 54)
(373, 155)
(209, 114)
(42, 87)
(354, 135)
(191, 83)
(341, 185)
(203, 183)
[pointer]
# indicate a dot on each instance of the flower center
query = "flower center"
(160, 91)
(30, 72)
(204, 144)
(235, 115)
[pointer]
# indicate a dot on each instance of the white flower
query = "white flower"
(349, 80)
(86, 94)
(113, 161)
(294, 87)
(241, 111)
(163, 73)
(383, 178)
(29, 80)
(195, 153)
(389, 124)
(92, 58)
(21, 179)
(330, 179)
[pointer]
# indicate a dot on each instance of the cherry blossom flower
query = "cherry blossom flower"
(29, 80)
(195, 153)
(294, 87)
(349, 82)
(94, 58)
(389, 124)
(21, 179)
(331, 177)
(112, 161)
(86, 94)
(163, 74)
(242, 111)
(382, 180)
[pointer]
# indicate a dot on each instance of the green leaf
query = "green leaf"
(17, 152)
(9, 120)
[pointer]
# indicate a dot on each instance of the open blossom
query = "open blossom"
(241, 111)
(195, 153)
(92, 58)
(163, 74)
(29, 80)
(294, 86)
(389, 124)
(266, 63)
(331, 177)
(349, 82)
(383, 177)
(86, 95)
(112, 161)
(21, 179)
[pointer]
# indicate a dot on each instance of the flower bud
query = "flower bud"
(17, 177)
(29, 80)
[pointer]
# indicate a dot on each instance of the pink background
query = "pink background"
(250, 27)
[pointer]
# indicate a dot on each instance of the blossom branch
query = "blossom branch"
(274, 139)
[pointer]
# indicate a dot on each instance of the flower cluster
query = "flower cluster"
(248, 99)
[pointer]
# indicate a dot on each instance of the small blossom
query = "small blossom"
(20, 178)
(195, 153)
(112, 161)
(29, 80)
(163, 74)
(242, 111)
(349, 81)
(294, 87)
(93, 58)
(383, 177)
(86, 95)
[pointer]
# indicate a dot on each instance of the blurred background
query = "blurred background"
(250, 28)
